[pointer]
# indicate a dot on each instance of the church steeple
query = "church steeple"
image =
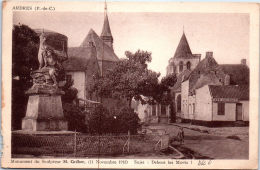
(106, 34)
(183, 49)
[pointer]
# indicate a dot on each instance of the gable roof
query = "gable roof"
(211, 71)
(234, 92)
(206, 79)
(239, 73)
(104, 52)
(183, 49)
(182, 76)
(80, 59)
(75, 64)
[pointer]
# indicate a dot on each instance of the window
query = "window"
(188, 65)
(221, 108)
(180, 66)
(154, 110)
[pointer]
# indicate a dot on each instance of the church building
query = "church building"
(94, 56)
(181, 64)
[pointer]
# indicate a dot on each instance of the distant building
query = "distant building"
(193, 97)
(181, 64)
(152, 113)
(94, 56)
(211, 87)
(183, 58)
(218, 105)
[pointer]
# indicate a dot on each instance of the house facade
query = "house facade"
(218, 105)
(214, 94)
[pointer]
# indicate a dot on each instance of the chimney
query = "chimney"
(243, 61)
(209, 54)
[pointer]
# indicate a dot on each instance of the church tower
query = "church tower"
(106, 34)
(183, 58)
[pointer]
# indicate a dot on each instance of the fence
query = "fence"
(81, 145)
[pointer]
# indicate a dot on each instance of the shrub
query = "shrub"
(127, 120)
(75, 117)
(101, 121)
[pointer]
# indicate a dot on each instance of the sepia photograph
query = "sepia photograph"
(152, 87)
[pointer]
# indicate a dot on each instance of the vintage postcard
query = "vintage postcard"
(130, 85)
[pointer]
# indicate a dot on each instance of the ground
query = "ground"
(199, 143)
(215, 143)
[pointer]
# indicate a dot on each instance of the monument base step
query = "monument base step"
(30, 124)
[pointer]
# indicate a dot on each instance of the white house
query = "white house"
(219, 105)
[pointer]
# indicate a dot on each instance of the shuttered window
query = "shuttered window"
(221, 108)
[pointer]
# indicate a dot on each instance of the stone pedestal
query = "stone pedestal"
(44, 110)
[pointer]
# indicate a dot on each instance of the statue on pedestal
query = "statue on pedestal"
(44, 108)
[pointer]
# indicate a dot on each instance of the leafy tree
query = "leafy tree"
(24, 59)
(164, 95)
(130, 78)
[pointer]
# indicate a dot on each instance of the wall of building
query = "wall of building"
(192, 100)
(203, 105)
(78, 78)
(230, 112)
(185, 98)
(194, 62)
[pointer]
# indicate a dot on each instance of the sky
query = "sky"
(225, 34)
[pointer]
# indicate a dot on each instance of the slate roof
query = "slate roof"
(106, 32)
(233, 91)
(182, 76)
(211, 71)
(75, 64)
(239, 73)
(103, 50)
(183, 50)
(81, 59)
(209, 79)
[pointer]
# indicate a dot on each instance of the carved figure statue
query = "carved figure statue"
(42, 49)
(51, 64)
(50, 57)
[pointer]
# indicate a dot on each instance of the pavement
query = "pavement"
(212, 142)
